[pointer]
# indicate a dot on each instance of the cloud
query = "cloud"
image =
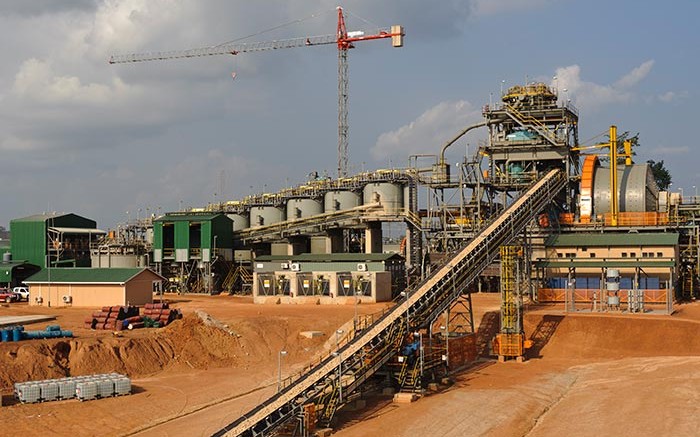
(669, 150)
(42, 7)
(427, 132)
(37, 81)
(672, 96)
(589, 95)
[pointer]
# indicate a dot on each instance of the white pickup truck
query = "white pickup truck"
(22, 293)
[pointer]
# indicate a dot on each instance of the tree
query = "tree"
(661, 175)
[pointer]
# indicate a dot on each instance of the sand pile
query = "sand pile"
(186, 342)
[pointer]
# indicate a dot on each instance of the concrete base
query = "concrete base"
(356, 405)
(445, 381)
(324, 432)
(311, 334)
(433, 386)
(405, 398)
(387, 391)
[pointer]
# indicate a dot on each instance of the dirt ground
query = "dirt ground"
(589, 374)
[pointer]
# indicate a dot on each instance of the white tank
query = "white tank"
(612, 273)
(339, 200)
(266, 215)
(389, 195)
(302, 208)
(240, 221)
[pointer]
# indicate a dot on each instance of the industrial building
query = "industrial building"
(328, 278)
(93, 287)
(54, 239)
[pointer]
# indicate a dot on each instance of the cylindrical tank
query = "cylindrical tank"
(6, 257)
(114, 260)
(636, 189)
(298, 208)
(240, 221)
(149, 235)
(612, 273)
(389, 195)
(266, 215)
(339, 200)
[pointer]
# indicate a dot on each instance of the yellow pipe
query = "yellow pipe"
(628, 152)
(614, 205)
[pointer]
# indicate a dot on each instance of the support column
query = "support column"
(373, 238)
(334, 241)
(297, 246)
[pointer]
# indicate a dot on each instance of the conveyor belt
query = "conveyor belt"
(372, 347)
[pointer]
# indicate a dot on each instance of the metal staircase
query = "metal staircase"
(532, 123)
(370, 348)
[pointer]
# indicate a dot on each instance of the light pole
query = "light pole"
(681, 190)
(695, 199)
(408, 323)
(446, 333)
(357, 297)
(420, 349)
(279, 369)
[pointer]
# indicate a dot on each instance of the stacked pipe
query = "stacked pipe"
(17, 333)
(111, 318)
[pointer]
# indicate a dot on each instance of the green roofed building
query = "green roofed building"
(56, 239)
(86, 287)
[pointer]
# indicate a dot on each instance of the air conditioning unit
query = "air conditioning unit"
(362, 267)
(295, 267)
(284, 266)
(38, 299)
(67, 299)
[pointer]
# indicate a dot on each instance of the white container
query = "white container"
(86, 391)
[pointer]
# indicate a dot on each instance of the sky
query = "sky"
(113, 142)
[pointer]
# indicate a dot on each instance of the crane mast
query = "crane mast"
(343, 39)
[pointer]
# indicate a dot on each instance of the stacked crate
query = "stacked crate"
(81, 387)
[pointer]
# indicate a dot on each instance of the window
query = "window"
(584, 249)
(633, 254)
(624, 254)
(570, 255)
(560, 255)
(592, 254)
(659, 254)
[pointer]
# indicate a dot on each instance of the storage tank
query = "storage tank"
(339, 200)
(636, 189)
(388, 194)
(298, 208)
(266, 215)
(6, 257)
(115, 260)
(240, 221)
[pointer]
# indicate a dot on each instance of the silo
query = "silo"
(389, 195)
(240, 220)
(266, 215)
(303, 207)
(636, 189)
(340, 200)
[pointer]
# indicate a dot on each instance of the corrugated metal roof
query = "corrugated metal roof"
(331, 257)
(604, 263)
(612, 239)
(77, 230)
(40, 217)
(87, 275)
(188, 216)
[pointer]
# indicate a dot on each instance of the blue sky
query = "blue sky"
(80, 135)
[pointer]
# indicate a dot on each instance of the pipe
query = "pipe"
(460, 135)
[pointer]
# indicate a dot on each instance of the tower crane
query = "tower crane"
(342, 38)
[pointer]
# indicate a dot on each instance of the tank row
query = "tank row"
(391, 196)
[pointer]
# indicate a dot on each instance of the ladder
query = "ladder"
(372, 347)
(531, 122)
